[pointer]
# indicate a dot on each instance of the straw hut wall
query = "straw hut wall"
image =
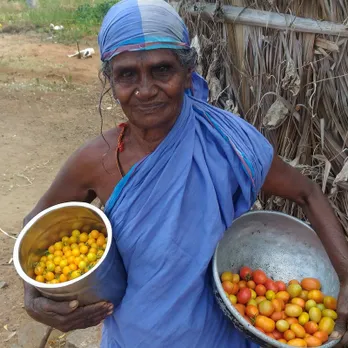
(282, 66)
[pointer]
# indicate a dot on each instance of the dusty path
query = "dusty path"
(48, 107)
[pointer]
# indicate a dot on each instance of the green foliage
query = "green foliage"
(79, 17)
(93, 14)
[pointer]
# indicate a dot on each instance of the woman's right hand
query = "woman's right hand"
(64, 316)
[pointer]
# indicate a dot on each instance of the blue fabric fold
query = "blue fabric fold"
(168, 214)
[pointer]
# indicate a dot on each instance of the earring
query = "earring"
(136, 92)
(117, 101)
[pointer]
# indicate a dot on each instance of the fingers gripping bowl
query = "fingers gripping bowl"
(105, 281)
(284, 247)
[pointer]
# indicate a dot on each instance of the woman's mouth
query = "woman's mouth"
(150, 108)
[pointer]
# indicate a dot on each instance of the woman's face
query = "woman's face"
(150, 87)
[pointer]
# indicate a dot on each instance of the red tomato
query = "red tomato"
(277, 335)
(311, 327)
(260, 290)
(245, 273)
(271, 285)
(244, 295)
(259, 277)
(281, 285)
(242, 284)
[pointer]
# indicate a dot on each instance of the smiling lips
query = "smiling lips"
(149, 108)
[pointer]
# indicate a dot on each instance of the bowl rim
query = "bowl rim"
(36, 218)
(230, 307)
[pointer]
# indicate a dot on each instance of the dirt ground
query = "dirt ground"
(48, 107)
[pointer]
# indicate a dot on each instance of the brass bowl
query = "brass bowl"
(47, 228)
(283, 247)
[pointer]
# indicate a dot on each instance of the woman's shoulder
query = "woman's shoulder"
(92, 150)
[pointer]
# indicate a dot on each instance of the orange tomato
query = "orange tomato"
(297, 342)
(228, 286)
(282, 341)
(298, 301)
(312, 341)
(266, 324)
(226, 276)
(277, 316)
(294, 281)
(292, 320)
(293, 310)
(278, 304)
(251, 311)
(236, 278)
(266, 308)
(327, 324)
(310, 284)
(283, 295)
(330, 302)
(322, 335)
(251, 284)
(242, 284)
(311, 327)
(240, 308)
(289, 335)
(298, 330)
(316, 295)
(260, 289)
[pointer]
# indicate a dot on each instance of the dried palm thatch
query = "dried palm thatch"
(291, 83)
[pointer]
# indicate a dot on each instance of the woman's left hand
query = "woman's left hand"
(340, 331)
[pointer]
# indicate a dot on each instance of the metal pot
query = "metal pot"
(282, 246)
(105, 281)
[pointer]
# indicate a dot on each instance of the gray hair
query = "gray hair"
(187, 58)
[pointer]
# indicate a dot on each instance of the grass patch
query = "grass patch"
(79, 18)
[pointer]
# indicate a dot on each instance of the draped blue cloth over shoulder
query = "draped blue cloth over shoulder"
(171, 209)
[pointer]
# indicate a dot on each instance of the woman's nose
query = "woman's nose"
(146, 88)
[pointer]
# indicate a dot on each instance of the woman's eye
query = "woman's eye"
(162, 70)
(126, 74)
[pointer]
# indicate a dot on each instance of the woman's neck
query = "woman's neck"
(147, 140)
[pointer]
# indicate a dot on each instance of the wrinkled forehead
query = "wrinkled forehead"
(134, 25)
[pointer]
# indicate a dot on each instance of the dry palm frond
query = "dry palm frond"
(303, 76)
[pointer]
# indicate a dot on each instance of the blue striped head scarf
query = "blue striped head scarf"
(138, 25)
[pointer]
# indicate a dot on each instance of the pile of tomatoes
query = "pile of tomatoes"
(69, 258)
(297, 313)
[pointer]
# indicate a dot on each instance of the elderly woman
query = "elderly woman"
(177, 175)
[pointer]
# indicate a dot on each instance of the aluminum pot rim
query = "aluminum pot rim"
(36, 218)
(232, 310)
